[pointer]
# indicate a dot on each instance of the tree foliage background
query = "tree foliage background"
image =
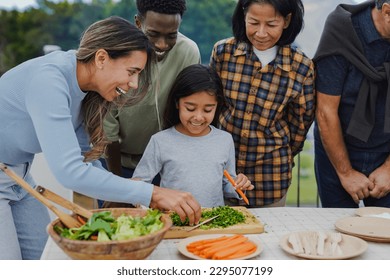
(24, 33)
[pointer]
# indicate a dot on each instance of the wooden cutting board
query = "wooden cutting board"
(251, 225)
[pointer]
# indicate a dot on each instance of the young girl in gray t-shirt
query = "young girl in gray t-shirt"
(191, 154)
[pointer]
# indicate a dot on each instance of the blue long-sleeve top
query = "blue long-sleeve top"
(40, 102)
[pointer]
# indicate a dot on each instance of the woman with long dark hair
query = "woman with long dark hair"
(55, 104)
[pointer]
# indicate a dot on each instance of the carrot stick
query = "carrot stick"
(224, 247)
(241, 254)
(200, 247)
(237, 249)
(211, 241)
(206, 241)
(224, 253)
(216, 243)
(232, 240)
(227, 175)
(209, 252)
(81, 220)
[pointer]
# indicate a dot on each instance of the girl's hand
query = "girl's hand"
(243, 183)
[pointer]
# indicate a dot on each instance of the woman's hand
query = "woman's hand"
(183, 203)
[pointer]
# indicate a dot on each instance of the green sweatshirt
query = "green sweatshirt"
(133, 126)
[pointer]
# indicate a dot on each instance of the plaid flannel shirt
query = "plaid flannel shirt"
(269, 112)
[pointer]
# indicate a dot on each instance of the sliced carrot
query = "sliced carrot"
(229, 250)
(241, 248)
(209, 252)
(224, 253)
(206, 242)
(93, 237)
(81, 220)
(224, 247)
(241, 254)
(210, 242)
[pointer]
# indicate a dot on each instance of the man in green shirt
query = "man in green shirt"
(130, 128)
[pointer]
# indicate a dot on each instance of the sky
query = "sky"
(22, 4)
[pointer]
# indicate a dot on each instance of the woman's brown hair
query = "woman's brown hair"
(119, 38)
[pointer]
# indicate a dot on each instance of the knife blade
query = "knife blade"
(202, 223)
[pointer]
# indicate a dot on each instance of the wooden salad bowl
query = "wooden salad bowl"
(132, 249)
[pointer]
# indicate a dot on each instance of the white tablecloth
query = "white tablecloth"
(277, 223)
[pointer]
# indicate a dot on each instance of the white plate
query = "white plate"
(369, 211)
(182, 245)
(351, 246)
(369, 228)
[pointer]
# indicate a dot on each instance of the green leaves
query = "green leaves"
(129, 227)
(105, 227)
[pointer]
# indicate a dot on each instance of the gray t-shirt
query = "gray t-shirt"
(192, 164)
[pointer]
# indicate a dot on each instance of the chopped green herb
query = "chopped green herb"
(228, 216)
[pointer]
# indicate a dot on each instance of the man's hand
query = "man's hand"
(183, 203)
(357, 185)
(381, 179)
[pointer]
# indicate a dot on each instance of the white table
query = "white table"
(277, 222)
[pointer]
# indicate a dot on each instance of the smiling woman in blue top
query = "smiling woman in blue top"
(55, 104)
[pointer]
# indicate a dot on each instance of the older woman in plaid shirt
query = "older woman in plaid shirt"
(269, 86)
